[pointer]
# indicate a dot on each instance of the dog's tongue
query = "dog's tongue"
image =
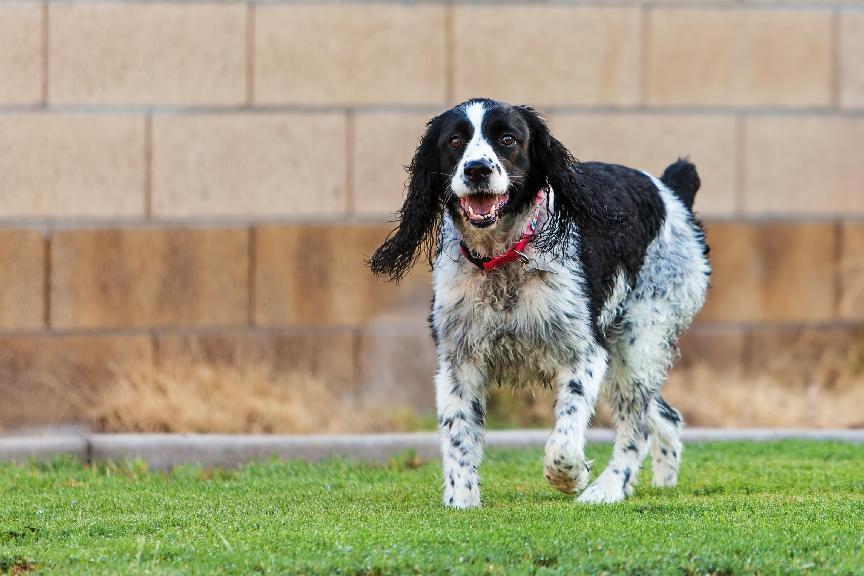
(481, 204)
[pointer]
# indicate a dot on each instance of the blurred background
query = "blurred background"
(188, 191)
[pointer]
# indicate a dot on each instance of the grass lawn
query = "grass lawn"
(777, 508)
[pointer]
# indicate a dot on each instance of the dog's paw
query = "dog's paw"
(665, 476)
(468, 500)
(567, 481)
(666, 459)
(462, 494)
(607, 489)
(564, 466)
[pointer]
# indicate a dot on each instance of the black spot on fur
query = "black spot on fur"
(431, 322)
(667, 412)
(478, 413)
(626, 476)
(576, 388)
(700, 236)
(631, 447)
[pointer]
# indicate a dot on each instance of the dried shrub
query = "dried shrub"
(196, 396)
(810, 382)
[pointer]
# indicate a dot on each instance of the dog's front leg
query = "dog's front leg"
(564, 464)
(461, 399)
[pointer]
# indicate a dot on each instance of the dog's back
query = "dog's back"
(631, 212)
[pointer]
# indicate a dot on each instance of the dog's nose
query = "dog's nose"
(477, 170)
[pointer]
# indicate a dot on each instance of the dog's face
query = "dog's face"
(481, 161)
(484, 148)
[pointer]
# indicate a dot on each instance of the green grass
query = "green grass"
(781, 508)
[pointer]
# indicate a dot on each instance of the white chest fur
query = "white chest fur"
(516, 324)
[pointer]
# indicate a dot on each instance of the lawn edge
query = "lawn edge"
(163, 451)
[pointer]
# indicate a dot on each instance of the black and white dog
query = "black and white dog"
(550, 271)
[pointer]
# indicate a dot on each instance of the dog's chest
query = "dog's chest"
(516, 324)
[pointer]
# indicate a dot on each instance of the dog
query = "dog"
(554, 272)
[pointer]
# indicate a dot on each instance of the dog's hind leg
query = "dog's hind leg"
(461, 399)
(564, 464)
(665, 423)
(641, 351)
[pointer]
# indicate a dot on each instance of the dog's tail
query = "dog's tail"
(681, 177)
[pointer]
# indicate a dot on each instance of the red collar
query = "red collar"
(516, 251)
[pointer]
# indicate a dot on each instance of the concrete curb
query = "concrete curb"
(24, 449)
(161, 451)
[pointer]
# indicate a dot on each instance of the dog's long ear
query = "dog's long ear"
(420, 215)
(553, 164)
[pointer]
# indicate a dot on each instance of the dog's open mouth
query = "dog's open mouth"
(482, 210)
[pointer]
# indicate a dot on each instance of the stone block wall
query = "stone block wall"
(184, 178)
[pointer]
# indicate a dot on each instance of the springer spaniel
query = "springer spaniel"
(550, 271)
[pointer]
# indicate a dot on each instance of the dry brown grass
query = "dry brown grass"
(808, 385)
(811, 384)
(195, 396)
(706, 398)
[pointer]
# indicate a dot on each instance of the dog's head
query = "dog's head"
(484, 149)
(483, 161)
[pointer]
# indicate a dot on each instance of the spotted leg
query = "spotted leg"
(665, 423)
(629, 407)
(461, 399)
(564, 464)
(640, 355)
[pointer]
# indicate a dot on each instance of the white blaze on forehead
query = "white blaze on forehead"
(475, 113)
(477, 149)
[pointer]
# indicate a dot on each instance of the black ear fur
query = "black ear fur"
(420, 215)
(553, 164)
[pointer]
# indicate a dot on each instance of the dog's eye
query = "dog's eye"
(507, 140)
(455, 142)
